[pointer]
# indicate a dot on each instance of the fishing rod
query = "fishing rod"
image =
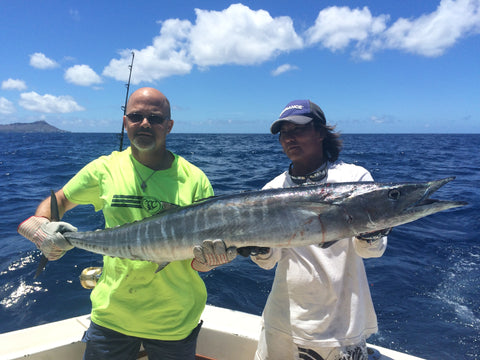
(124, 108)
(90, 275)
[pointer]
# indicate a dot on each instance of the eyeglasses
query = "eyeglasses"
(314, 176)
(298, 130)
(152, 118)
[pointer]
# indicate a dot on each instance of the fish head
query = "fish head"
(390, 205)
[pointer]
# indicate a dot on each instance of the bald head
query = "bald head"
(149, 97)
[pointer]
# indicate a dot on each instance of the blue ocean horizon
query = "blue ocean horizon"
(426, 287)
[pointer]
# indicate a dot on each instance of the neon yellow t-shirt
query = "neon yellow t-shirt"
(131, 297)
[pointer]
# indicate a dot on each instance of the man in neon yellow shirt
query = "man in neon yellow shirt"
(132, 303)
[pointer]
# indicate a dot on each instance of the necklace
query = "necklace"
(314, 176)
(144, 182)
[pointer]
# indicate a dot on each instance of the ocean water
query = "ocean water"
(426, 287)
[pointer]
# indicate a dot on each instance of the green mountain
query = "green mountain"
(33, 127)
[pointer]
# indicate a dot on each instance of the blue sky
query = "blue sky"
(373, 66)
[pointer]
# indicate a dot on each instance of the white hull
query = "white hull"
(225, 335)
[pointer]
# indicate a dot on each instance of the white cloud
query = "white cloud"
(49, 103)
(383, 119)
(14, 84)
(6, 106)
(336, 27)
(242, 36)
(82, 75)
(239, 35)
(40, 61)
(283, 68)
(433, 34)
(378, 119)
(236, 35)
(167, 56)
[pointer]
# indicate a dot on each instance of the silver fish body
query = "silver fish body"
(292, 217)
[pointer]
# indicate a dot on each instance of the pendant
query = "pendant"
(143, 186)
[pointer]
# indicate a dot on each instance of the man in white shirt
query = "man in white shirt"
(320, 305)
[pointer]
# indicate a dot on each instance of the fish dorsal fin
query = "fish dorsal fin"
(167, 206)
(162, 266)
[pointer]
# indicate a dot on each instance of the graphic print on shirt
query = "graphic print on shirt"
(148, 203)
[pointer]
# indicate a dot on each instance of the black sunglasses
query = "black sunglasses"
(152, 119)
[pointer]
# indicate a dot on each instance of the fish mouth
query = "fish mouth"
(425, 203)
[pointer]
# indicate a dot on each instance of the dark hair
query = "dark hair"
(332, 144)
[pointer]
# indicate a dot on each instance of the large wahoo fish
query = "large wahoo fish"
(299, 216)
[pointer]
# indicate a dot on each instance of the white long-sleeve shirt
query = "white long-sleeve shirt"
(321, 297)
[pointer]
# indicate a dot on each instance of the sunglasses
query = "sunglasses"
(298, 130)
(152, 119)
(314, 176)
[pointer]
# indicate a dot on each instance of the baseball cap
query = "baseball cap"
(299, 112)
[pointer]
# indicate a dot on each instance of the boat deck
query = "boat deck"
(225, 335)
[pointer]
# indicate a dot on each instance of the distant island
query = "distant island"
(33, 127)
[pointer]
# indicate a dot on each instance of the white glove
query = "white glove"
(47, 236)
(211, 254)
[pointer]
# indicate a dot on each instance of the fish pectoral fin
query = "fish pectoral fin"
(317, 207)
(162, 266)
(326, 245)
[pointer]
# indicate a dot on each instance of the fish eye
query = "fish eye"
(394, 194)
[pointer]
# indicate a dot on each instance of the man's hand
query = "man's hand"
(47, 236)
(211, 254)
